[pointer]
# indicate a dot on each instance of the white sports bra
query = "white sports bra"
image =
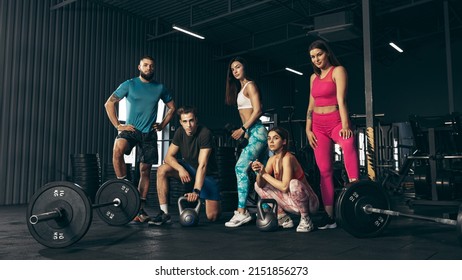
(243, 102)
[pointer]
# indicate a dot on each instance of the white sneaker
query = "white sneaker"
(305, 225)
(239, 219)
(285, 221)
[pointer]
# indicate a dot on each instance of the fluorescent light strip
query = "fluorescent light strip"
(294, 71)
(395, 47)
(188, 32)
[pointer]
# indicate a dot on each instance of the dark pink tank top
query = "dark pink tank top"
(299, 174)
(324, 91)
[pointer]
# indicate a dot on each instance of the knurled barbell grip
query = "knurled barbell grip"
(54, 214)
(368, 209)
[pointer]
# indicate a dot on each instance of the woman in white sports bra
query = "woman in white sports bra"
(243, 92)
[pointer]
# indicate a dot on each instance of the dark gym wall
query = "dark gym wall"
(60, 66)
(414, 82)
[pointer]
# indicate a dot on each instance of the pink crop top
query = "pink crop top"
(324, 91)
(299, 174)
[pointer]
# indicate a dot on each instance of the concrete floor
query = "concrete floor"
(403, 239)
(406, 248)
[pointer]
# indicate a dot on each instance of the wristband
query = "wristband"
(197, 191)
(243, 128)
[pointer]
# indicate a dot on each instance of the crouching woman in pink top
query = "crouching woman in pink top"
(283, 180)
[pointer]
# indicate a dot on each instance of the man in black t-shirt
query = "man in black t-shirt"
(195, 144)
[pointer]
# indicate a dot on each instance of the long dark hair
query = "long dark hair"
(284, 134)
(320, 44)
(233, 86)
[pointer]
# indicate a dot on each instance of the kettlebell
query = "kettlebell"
(267, 221)
(189, 216)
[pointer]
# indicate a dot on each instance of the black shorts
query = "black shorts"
(145, 142)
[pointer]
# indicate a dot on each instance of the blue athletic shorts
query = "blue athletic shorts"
(210, 190)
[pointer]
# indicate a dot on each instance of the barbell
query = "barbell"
(60, 213)
(363, 210)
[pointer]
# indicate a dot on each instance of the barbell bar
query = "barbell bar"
(363, 210)
(55, 214)
(60, 213)
(369, 210)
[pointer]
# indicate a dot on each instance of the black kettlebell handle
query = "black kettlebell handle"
(260, 203)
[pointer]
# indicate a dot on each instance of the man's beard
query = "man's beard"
(147, 77)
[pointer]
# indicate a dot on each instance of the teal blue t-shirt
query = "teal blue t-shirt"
(142, 101)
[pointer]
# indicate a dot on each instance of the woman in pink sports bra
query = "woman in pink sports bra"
(283, 180)
(327, 122)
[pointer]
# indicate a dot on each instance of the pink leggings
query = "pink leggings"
(326, 128)
(300, 199)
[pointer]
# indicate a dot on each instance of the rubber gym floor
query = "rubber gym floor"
(403, 239)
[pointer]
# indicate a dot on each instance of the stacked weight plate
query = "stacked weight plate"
(152, 200)
(445, 186)
(109, 172)
(422, 181)
(86, 173)
(226, 161)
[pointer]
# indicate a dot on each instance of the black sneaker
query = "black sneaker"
(326, 222)
(161, 219)
(142, 217)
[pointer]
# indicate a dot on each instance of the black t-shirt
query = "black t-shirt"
(190, 147)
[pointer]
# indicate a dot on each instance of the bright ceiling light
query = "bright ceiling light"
(396, 47)
(294, 71)
(188, 32)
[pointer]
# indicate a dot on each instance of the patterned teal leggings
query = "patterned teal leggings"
(256, 149)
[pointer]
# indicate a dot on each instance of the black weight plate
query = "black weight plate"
(337, 208)
(89, 173)
(87, 164)
(225, 150)
(459, 225)
(351, 215)
(77, 214)
(222, 159)
(79, 168)
(86, 181)
(84, 156)
(129, 198)
(86, 178)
